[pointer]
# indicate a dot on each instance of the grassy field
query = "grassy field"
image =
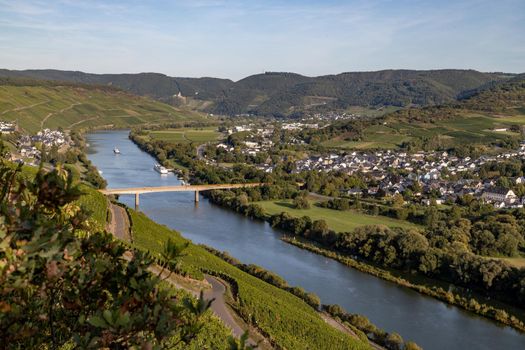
(37, 107)
(469, 128)
(288, 320)
(187, 135)
(337, 220)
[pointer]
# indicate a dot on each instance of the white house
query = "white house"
(498, 194)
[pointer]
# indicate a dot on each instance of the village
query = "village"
(394, 172)
(28, 148)
(441, 177)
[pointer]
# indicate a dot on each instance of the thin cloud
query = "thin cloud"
(237, 38)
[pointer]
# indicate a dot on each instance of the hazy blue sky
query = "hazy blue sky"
(233, 39)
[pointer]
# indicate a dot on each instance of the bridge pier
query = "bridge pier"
(196, 196)
(137, 201)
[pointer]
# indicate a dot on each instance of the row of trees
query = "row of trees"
(411, 251)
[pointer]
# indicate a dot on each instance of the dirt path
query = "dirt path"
(82, 121)
(25, 107)
(60, 111)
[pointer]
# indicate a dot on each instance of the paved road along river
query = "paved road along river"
(430, 323)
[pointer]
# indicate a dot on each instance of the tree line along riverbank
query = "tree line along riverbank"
(478, 279)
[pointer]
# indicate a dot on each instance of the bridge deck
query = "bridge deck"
(182, 188)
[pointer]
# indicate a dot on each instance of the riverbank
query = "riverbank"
(428, 321)
(285, 320)
(469, 303)
(119, 224)
(466, 302)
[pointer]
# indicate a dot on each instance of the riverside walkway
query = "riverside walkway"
(182, 188)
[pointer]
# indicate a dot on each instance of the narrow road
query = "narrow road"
(82, 121)
(120, 227)
(25, 107)
(219, 305)
(119, 224)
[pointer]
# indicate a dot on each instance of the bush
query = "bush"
(301, 202)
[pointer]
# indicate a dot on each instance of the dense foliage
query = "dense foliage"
(410, 250)
(63, 282)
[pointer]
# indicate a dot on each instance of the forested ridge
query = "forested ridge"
(281, 94)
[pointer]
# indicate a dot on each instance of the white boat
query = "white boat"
(116, 150)
(160, 169)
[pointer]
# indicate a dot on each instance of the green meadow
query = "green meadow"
(337, 220)
(187, 135)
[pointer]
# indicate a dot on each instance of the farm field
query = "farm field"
(75, 107)
(187, 135)
(339, 221)
(469, 128)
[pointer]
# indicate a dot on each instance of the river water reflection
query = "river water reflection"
(430, 323)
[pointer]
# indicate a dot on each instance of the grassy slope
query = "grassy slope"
(187, 135)
(469, 128)
(472, 121)
(214, 333)
(96, 204)
(337, 220)
(290, 321)
(35, 107)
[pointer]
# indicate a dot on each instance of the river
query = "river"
(430, 323)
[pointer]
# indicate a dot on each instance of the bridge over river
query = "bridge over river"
(182, 188)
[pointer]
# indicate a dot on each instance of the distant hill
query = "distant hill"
(37, 104)
(492, 115)
(288, 93)
(504, 97)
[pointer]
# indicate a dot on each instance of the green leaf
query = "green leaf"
(97, 321)
(123, 319)
(108, 316)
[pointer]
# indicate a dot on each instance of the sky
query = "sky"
(234, 39)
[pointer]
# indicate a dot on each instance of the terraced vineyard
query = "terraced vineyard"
(96, 204)
(35, 107)
(287, 320)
